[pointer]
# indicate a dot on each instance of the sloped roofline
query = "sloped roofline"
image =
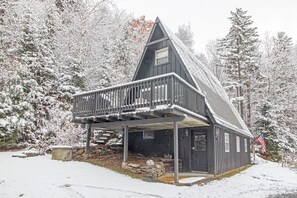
(171, 37)
(145, 48)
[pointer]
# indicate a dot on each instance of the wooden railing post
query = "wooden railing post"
(121, 102)
(171, 91)
(94, 106)
(152, 94)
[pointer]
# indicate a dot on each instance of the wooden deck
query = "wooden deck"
(166, 98)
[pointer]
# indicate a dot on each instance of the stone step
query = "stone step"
(118, 144)
(109, 132)
(100, 142)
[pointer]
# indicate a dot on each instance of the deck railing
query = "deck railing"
(155, 92)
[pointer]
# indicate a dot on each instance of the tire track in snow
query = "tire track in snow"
(71, 192)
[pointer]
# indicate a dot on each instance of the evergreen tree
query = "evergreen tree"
(282, 88)
(51, 50)
(239, 52)
(266, 122)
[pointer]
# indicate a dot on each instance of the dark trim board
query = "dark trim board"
(139, 122)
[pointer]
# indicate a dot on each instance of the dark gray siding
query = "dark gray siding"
(157, 147)
(163, 144)
(210, 150)
(148, 68)
(185, 149)
(226, 161)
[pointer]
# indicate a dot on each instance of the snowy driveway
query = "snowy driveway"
(43, 177)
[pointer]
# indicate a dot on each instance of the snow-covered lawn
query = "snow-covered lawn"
(42, 177)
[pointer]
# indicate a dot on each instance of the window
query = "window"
(227, 143)
(200, 142)
(245, 145)
(161, 56)
(148, 135)
(237, 144)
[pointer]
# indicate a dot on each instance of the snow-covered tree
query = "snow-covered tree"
(280, 72)
(138, 32)
(185, 34)
(266, 123)
(238, 50)
(53, 49)
(214, 60)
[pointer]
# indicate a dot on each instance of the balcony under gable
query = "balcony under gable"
(148, 104)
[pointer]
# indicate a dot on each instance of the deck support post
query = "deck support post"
(88, 137)
(125, 158)
(175, 146)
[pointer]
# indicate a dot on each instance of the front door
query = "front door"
(199, 151)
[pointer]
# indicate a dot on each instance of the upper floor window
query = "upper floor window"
(161, 56)
(227, 142)
(237, 144)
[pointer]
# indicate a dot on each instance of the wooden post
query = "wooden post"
(88, 137)
(152, 94)
(254, 153)
(171, 90)
(175, 143)
(125, 158)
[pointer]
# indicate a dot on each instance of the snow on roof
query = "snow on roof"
(216, 98)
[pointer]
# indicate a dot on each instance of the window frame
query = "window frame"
(227, 143)
(148, 135)
(237, 144)
(245, 145)
(164, 50)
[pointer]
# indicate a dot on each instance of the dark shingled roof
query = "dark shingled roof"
(216, 98)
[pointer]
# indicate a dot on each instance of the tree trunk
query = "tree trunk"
(249, 121)
(240, 88)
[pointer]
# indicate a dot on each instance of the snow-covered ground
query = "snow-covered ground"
(42, 177)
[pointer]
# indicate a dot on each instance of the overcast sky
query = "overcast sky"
(209, 18)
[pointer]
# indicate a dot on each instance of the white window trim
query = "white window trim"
(245, 145)
(227, 142)
(161, 53)
(237, 144)
(148, 135)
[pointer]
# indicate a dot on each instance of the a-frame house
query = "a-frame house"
(174, 106)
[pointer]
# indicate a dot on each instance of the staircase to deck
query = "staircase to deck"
(102, 137)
